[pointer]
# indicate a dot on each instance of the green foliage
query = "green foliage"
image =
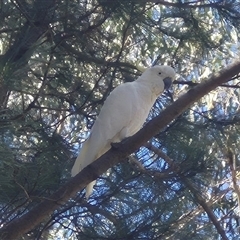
(58, 63)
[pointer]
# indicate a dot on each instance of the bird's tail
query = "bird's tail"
(89, 189)
(85, 157)
(82, 160)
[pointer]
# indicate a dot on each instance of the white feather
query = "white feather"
(122, 115)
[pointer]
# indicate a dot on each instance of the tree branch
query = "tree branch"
(115, 155)
(193, 4)
(232, 164)
(202, 202)
(192, 84)
(197, 195)
(83, 57)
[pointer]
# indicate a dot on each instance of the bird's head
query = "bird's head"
(159, 77)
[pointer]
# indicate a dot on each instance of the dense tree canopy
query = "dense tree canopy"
(60, 60)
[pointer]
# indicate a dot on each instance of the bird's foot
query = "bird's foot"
(117, 145)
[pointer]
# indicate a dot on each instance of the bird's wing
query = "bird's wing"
(122, 114)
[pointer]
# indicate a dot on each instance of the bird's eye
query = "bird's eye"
(159, 73)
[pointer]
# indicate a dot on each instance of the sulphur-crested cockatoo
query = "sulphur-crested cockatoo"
(123, 114)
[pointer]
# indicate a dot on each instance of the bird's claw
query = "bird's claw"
(115, 145)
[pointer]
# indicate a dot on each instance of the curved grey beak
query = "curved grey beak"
(167, 82)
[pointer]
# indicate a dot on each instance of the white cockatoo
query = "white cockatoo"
(122, 115)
